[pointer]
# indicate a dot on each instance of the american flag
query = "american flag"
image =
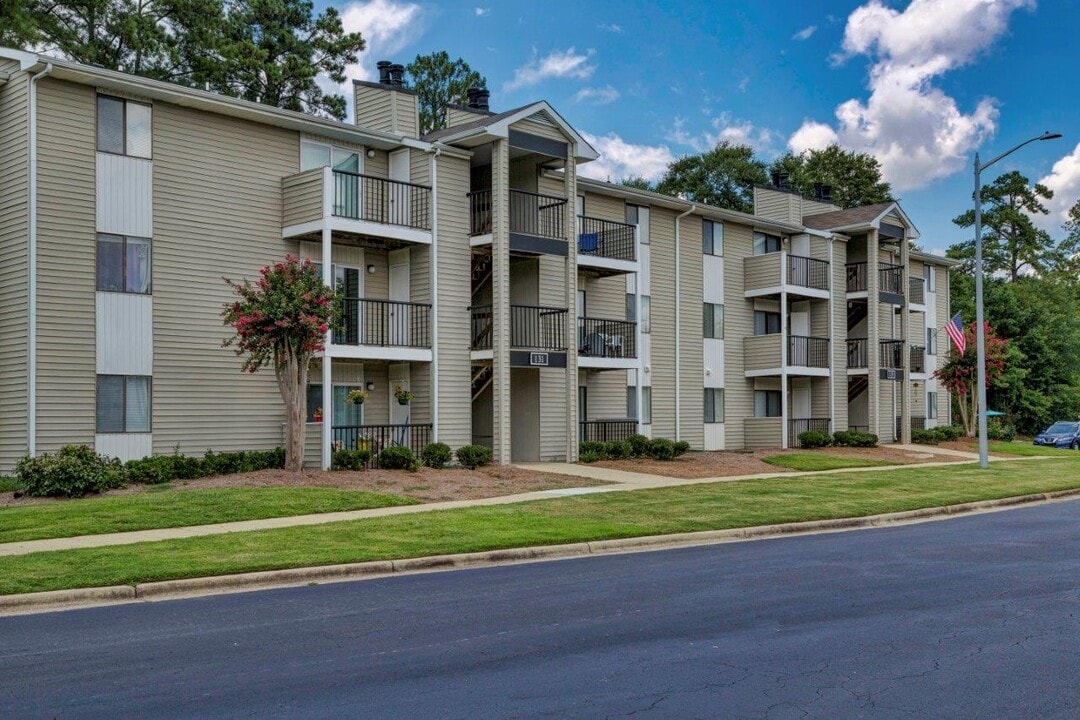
(955, 329)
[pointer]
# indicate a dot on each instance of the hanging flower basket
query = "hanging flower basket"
(404, 397)
(356, 397)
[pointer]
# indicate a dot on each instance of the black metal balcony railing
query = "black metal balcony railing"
(605, 238)
(606, 430)
(797, 426)
(384, 323)
(892, 354)
(480, 212)
(808, 351)
(377, 438)
(856, 277)
(917, 423)
(531, 327)
(390, 202)
(891, 278)
(606, 338)
(857, 353)
(917, 287)
(530, 213)
(808, 272)
(917, 361)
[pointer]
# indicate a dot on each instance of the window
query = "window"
(631, 308)
(712, 237)
(346, 414)
(635, 216)
(764, 243)
(931, 406)
(931, 341)
(316, 155)
(123, 264)
(714, 405)
(766, 323)
(123, 403)
(930, 277)
(646, 313)
(646, 403)
(124, 127)
(714, 321)
(767, 403)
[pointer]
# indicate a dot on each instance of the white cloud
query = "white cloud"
(805, 33)
(743, 83)
(724, 127)
(481, 11)
(620, 159)
(1064, 180)
(597, 95)
(914, 129)
(387, 27)
(612, 28)
(557, 64)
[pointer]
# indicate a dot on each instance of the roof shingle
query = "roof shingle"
(845, 218)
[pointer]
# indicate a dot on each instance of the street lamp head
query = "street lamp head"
(1049, 136)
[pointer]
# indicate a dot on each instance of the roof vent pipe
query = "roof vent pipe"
(384, 71)
(780, 180)
(482, 95)
(397, 75)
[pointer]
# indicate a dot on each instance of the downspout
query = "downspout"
(433, 268)
(31, 336)
(678, 325)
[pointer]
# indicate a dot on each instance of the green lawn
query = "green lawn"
(808, 462)
(177, 508)
(1027, 449)
(599, 516)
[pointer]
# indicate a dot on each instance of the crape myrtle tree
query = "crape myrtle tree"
(960, 374)
(282, 320)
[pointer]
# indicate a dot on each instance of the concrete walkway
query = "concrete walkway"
(620, 481)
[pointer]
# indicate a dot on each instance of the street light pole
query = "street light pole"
(980, 331)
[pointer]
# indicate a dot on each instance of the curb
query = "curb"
(292, 577)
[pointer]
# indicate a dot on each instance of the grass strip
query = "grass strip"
(1026, 449)
(810, 462)
(178, 508)
(680, 509)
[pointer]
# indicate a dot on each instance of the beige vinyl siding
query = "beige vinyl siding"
(457, 116)
(942, 296)
(540, 128)
(813, 207)
(66, 377)
(819, 401)
(554, 394)
(662, 235)
(760, 271)
(761, 352)
(777, 205)
(839, 338)
(606, 394)
(373, 108)
(455, 296)
(419, 167)
(605, 208)
(760, 432)
(218, 205)
(378, 165)
(690, 285)
(604, 297)
(14, 268)
(406, 116)
(302, 197)
(738, 327)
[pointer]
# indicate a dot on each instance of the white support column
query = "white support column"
(570, 192)
(784, 340)
(328, 280)
(500, 301)
(638, 335)
(832, 341)
(905, 329)
(873, 337)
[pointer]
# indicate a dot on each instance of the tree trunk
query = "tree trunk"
(292, 374)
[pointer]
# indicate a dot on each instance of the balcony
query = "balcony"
(606, 247)
(762, 275)
(606, 343)
(377, 438)
(917, 360)
(537, 221)
(383, 329)
(606, 430)
(808, 352)
(857, 354)
(362, 205)
(892, 354)
(916, 291)
(805, 355)
(531, 327)
(798, 426)
(890, 281)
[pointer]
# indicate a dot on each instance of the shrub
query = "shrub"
(227, 463)
(350, 459)
(593, 447)
(473, 456)
(925, 437)
(397, 457)
(661, 449)
(681, 448)
(589, 456)
(949, 432)
(855, 438)
(616, 449)
(1000, 431)
(436, 455)
(639, 445)
(152, 470)
(73, 471)
(815, 439)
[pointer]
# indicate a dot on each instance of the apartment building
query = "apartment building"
(523, 306)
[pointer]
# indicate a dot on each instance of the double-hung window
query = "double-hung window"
(123, 264)
(766, 323)
(713, 321)
(712, 237)
(765, 243)
(123, 404)
(714, 405)
(645, 417)
(931, 341)
(346, 414)
(633, 216)
(930, 277)
(767, 403)
(931, 406)
(124, 127)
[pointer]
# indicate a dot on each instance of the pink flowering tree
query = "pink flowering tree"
(282, 320)
(960, 374)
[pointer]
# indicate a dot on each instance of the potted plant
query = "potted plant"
(318, 414)
(356, 397)
(404, 397)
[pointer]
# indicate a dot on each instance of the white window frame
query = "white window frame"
(716, 394)
(125, 102)
(930, 276)
(124, 420)
(713, 243)
(931, 405)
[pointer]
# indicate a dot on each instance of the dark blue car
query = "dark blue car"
(1060, 434)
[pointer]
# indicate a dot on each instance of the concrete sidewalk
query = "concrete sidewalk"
(620, 481)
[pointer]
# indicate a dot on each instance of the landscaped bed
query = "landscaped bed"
(733, 463)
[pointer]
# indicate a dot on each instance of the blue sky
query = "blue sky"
(921, 85)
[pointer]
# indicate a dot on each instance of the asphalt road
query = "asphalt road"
(967, 618)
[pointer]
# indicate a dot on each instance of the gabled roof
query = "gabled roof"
(498, 126)
(856, 218)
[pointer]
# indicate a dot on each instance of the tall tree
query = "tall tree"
(438, 82)
(17, 26)
(855, 177)
(959, 374)
(637, 182)
(1011, 242)
(724, 176)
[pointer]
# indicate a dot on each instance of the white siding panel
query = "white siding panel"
(714, 362)
(714, 436)
(713, 279)
(126, 446)
(125, 337)
(124, 195)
